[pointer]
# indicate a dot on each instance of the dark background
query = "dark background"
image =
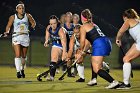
(106, 13)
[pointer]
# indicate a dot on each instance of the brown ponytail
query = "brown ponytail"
(131, 13)
(87, 14)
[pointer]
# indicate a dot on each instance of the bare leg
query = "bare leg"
(130, 55)
(56, 54)
(97, 65)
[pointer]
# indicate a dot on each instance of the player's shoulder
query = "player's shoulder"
(63, 29)
(48, 27)
(28, 15)
(12, 17)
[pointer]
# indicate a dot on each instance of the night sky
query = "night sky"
(107, 14)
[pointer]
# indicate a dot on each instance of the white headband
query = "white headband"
(19, 5)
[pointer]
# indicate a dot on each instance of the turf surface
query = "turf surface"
(10, 84)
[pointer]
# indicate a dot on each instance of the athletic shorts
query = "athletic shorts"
(57, 45)
(23, 40)
(101, 47)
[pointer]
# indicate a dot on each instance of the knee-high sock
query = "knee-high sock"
(18, 64)
(105, 75)
(94, 75)
(126, 72)
(73, 69)
(52, 69)
(80, 69)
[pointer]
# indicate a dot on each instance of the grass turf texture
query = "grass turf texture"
(10, 84)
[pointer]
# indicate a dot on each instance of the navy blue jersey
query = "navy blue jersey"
(69, 30)
(55, 37)
(93, 34)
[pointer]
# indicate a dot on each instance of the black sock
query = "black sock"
(69, 70)
(64, 67)
(105, 75)
(61, 63)
(52, 68)
(94, 75)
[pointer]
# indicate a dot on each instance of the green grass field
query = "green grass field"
(10, 84)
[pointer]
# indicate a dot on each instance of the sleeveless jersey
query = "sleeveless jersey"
(54, 36)
(21, 25)
(69, 30)
(94, 34)
(135, 32)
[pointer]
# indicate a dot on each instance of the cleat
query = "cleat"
(50, 79)
(92, 82)
(124, 86)
(80, 80)
(22, 74)
(18, 75)
(113, 85)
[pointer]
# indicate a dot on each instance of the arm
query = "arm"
(71, 47)
(87, 45)
(47, 36)
(63, 39)
(10, 22)
(122, 30)
(82, 38)
(31, 20)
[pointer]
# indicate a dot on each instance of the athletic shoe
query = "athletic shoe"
(50, 79)
(92, 82)
(18, 75)
(124, 86)
(22, 74)
(112, 85)
(80, 80)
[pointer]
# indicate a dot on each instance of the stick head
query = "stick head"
(61, 78)
(39, 78)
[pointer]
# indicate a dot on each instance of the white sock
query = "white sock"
(72, 70)
(18, 64)
(80, 69)
(126, 72)
(105, 65)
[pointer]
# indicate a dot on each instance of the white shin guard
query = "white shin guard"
(80, 69)
(18, 64)
(126, 72)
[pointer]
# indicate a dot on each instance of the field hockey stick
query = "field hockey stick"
(124, 55)
(45, 74)
(62, 77)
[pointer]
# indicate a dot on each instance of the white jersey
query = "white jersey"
(21, 32)
(21, 25)
(135, 32)
(76, 44)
